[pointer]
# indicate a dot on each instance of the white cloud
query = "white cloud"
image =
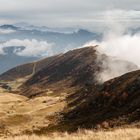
(1, 51)
(6, 31)
(122, 47)
(118, 44)
(28, 47)
(125, 47)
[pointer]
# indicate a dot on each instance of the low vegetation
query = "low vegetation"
(62, 94)
(118, 134)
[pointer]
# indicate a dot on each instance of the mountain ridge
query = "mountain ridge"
(62, 93)
(62, 73)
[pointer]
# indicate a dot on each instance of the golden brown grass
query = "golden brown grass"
(19, 114)
(118, 134)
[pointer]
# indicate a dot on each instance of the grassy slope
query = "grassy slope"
(19, 115)
(118, 134)
(26, 70)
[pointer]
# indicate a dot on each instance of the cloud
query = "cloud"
(6, 31)
(28, 48)
(1, 51)
(86, 14)
(126, 47)
(118, 44)
(60, 5)
(122, 47)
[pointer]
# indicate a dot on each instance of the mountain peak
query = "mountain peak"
(8, 26)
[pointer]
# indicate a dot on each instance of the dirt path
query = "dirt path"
(34, 68)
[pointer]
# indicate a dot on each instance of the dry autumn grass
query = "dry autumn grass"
(19, 114)
(118, 134)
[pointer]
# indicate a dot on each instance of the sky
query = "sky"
(70, 13)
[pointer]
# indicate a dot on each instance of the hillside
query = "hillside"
(19, 115)
(63, 93)
(117, 134)
(114, 103)
(64, 73)
(25, 70)
(68, 72)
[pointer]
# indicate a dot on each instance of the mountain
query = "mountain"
(64, 73)
(63, 93)
(59, 41)
(25, 70)
(26, 26)
(114, 103)
(7, 26)
(9, 59)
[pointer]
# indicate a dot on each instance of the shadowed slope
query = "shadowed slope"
(114, 103)
(70, 70)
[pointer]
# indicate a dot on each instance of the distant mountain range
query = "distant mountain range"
(27, 26)
(63, 39)
(6, 27)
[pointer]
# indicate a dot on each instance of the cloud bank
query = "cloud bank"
(6, 31)
(28, 48)
(126, 47)
(118, 44)
(60, 13)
